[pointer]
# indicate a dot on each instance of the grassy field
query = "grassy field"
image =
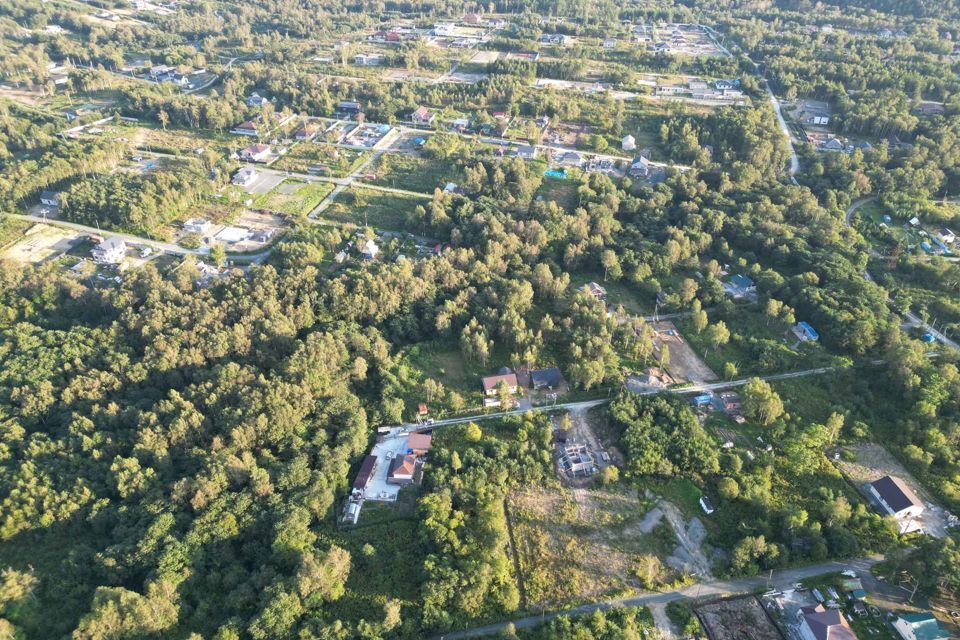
(294, 197)
(11, 229)
(561, 191)
(584, 543)
(414, 174)
(305, 155)
(152, 137)
(758, 344)
(359, 206)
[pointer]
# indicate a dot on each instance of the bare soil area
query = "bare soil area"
(685, 364)
(737, 619)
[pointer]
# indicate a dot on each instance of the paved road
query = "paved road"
(168, 247)
(912, 318)
(705, 590)
(587, 404)
(794, 159)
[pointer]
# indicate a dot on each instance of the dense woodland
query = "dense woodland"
(173, 456)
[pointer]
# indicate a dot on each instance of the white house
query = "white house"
(197, 225)
(526, 151)
(111, 250)
(256, 100)
(256, 153)
(629, 143)
(898, 500)
(370, 250)
(947, 236)
(245, 176)
(368, 59)
(50, 198)
(639, 168)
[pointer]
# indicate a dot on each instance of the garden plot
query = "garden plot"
(872, 461)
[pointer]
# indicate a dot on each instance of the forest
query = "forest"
(173, 455)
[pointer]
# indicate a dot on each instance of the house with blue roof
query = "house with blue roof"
(740, 286)
(805, 333)
(919, 626)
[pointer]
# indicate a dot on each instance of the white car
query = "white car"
(145, 251)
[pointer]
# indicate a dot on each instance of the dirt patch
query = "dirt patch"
(42, 242)
(737, 619)
(685, 364)
(688, 557)
(872, 461)
(661, 620)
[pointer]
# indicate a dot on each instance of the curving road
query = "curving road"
(704, 590)
(912, 318)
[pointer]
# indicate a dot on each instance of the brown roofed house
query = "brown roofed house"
(419, 443)
(490, 383)
(820, 623)
(367, 467)
(401, 469)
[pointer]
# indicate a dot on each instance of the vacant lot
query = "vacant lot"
(737, 619)
(295, 197)
(414, 174)
(366, 207)
(684, 364)
(320, 159)
(587, 542)
(561, 191)
(40, 243)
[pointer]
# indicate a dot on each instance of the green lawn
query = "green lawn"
(298, 203)
(561, 191)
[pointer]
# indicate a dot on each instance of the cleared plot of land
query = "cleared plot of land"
(580, 543)
(414, 174)
(320, 159)
(685, 364)
(295, 197)
(362, 207)
(42, 242)
(737, 619)
(561, 191)
(872, 461)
